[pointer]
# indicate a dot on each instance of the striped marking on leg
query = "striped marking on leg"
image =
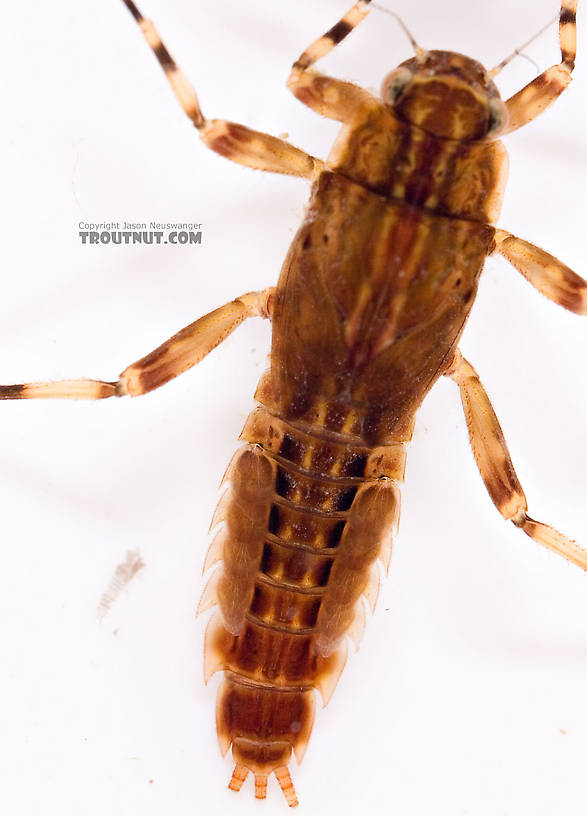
(324, 44)
(63, 389)
(183, 90)
(568, 33)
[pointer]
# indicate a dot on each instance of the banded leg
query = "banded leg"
(539, 94)
(496, 467)
(545, 272)
(176, 355)
(251, 148)
(327, 96)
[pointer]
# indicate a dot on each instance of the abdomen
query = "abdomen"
(308, 513)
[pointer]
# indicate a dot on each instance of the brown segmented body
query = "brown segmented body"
(371, 302)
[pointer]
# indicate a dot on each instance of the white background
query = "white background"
(468, 694)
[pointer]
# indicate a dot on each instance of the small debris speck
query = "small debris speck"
(122, 575)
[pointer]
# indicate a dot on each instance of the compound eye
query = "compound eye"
(498, 116)
(394, 84)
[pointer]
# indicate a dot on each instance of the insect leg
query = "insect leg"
(327, 96)
(545, 272)
(172, 358)
(324, 44)
(236, 142)
(539, 94)
(496, 467)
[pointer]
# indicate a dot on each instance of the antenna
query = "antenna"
(518, 51)
(420, 53)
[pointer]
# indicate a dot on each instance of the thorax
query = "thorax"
(459, 179)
